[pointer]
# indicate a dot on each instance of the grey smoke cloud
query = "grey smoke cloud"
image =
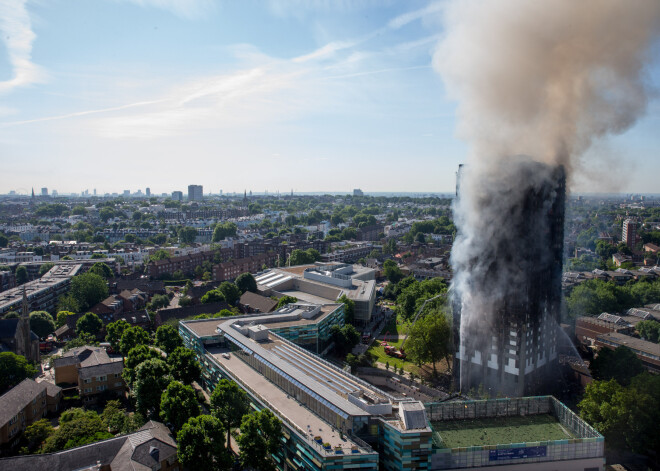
(545, 78)
(537, 82)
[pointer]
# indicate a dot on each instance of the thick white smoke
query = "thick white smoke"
(542, 79)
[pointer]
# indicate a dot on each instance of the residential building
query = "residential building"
(647, 352)
(230, 270)
(7, 280)
(42, 294)
(358, 192)
(151, 448)
(629, 233)
(92, 370)
(195, 193)
(177, 195)
(254, 303)
(20, 407)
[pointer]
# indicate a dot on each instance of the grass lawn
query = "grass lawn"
(498, 430)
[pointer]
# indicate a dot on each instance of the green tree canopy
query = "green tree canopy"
(304, 257)
(14, 369)
(102, 269)
(345, 338)
(77, 427)
(159, 301)
(36, 433)
(90, 324)
(201, 445)
(429, 340)
(621, 364)
(4, 240)
(151, 378)
(131, 338)
(178, 404)
(42, 323)
(136, 356)
(224, 230)
(184, 365)
(88, 289)
(212, 296)
(392, 271)
(21, 275)
(168, 338)
(649, 330)
(284, 300)
(61, 318)
(187, 235)
(43, 269)
(349, 308)
(246, 282)
(260, 438)
(230, 292)
(229, 404)
(114, 332)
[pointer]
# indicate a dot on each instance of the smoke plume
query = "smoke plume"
(541, 80)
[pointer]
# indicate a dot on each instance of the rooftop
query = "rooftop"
(17, 398)
(498, 430)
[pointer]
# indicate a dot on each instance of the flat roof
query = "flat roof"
(498, 430)
(632, 342)
(307, 423)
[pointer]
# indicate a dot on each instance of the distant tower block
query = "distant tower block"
(195, 193)
(508, 331)
(358, 192)
(44, 192)
(629, 233)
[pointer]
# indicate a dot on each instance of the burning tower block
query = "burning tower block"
(508, 264)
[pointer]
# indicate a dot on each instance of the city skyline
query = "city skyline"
(233, 96)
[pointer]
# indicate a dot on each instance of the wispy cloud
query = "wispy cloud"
(189, 9)
(17, 34)
(406, 18)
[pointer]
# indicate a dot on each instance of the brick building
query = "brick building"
(20, 407)
(228, 271)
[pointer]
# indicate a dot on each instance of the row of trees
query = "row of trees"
(596, 296)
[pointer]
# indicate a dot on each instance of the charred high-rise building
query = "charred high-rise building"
(507, 293)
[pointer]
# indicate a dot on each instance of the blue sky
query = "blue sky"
(258, 95)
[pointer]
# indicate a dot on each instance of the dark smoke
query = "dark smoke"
(541, 79)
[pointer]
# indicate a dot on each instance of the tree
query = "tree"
(649, 330)
(229, 404)
(201, 445)
(68, 303)
(159, 301)
(136, 356)
(187, 235)
(4, 240)
(345, 338)
(42, 323)
(90, 324)
(621, 364)
(61, 318)
(36, 433)
(77, 427)
(168, 338)
(14, 369)
(81, 340)
(101, 269)
(212, 296)
(303, 257)
(392, 271)
(184, 365)
(260, 438)
(114, 332)
(43, 269)
(284, 300)
(246, 282)
(349, 308)
(114, 416)
(230, 292)
(151, 378)
(222, 231)
(21, 275)
(429, 340)
(626, 415)
(131, 338)
(88, 289)
(178, 404)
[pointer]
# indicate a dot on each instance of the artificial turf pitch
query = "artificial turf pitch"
(499, 430)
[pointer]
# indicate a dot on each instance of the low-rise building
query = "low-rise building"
(647, 352)
(92, 370)
(151, 448)
(20, 407)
